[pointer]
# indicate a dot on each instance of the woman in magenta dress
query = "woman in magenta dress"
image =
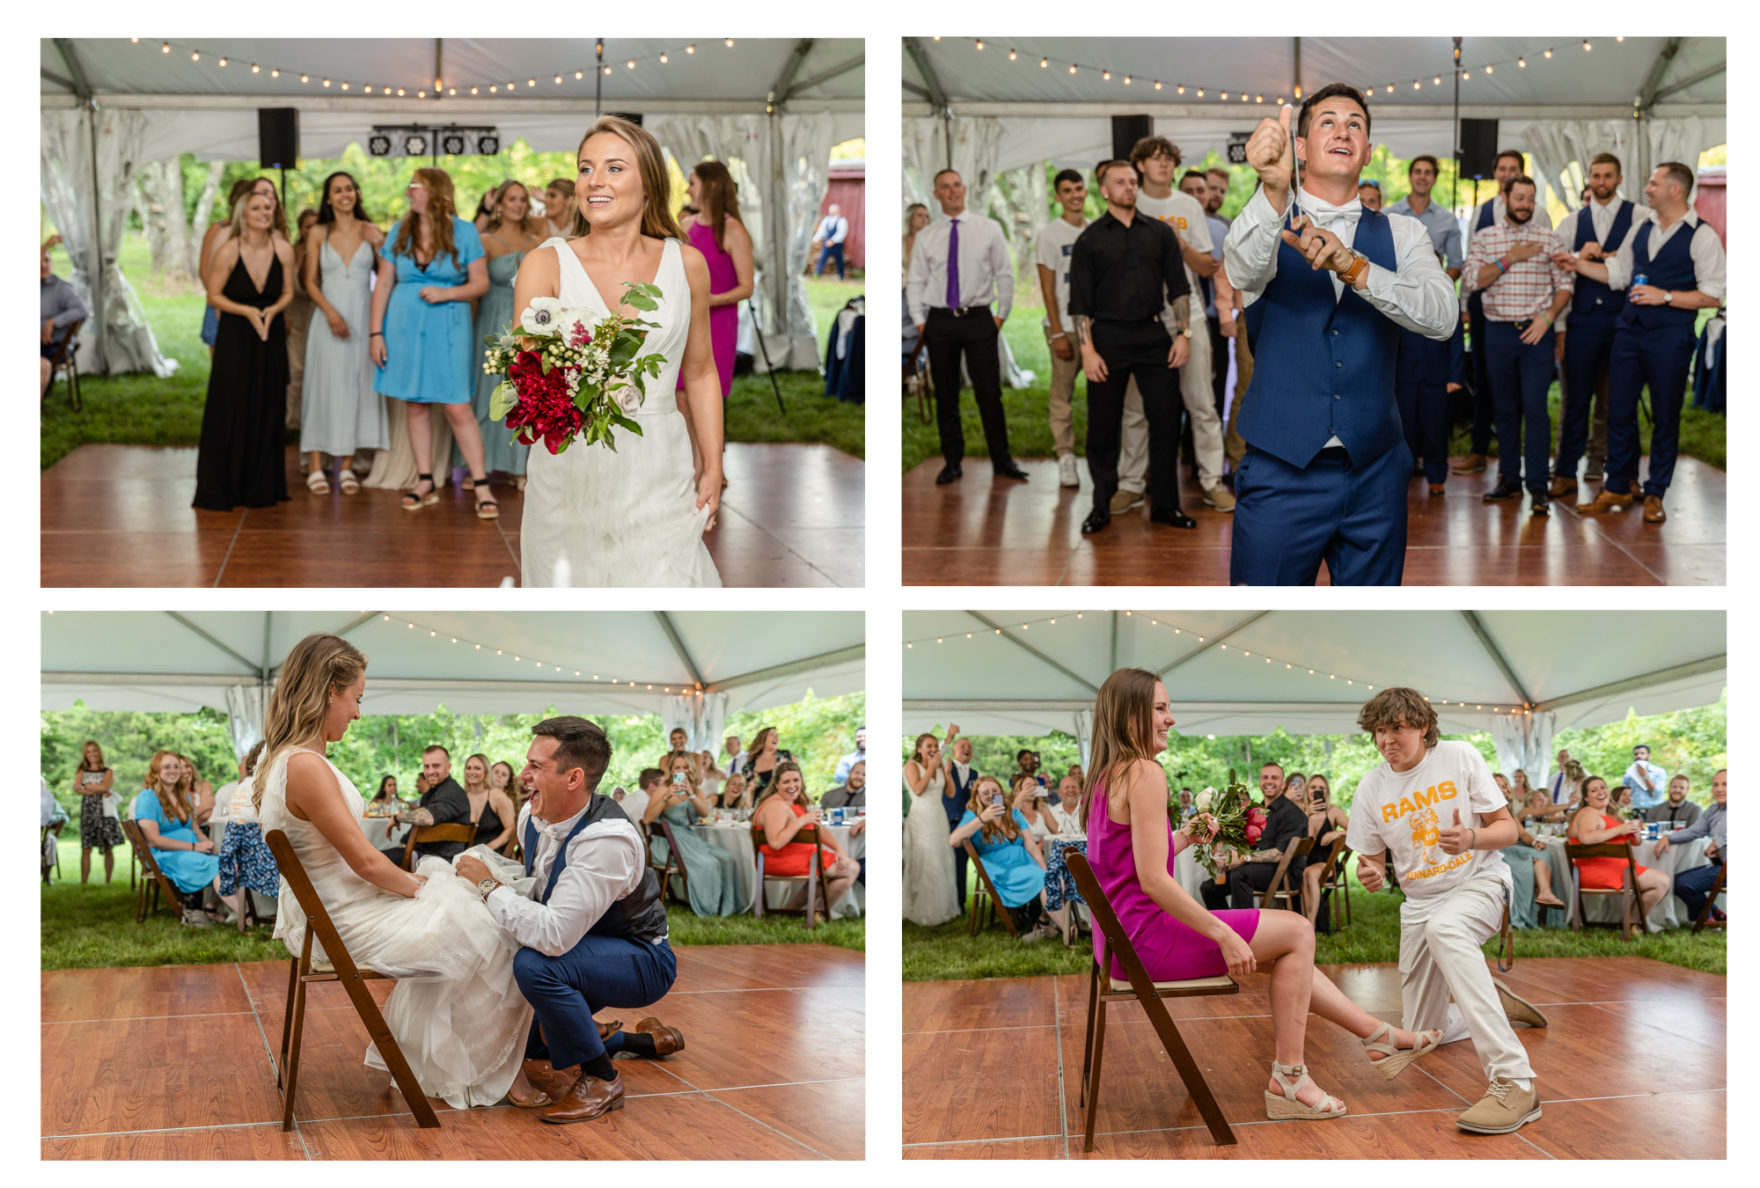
(717, 232)
(1132, 847)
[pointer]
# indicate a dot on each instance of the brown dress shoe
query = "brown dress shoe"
(1653, 513)
(1437, 490)
(1471, 464)
(1562, 485)
(1606, 501)
(549, 1084)
(667, 1040)
(589, 1098)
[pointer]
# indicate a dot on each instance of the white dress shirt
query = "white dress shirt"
(832, 229)
(605, 864)
(1709, 265)
(984, 267)
(1601, 220)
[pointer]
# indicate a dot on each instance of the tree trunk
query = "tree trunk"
(198, 224)
(160, 200)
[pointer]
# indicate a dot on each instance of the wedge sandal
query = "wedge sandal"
(1284, 1107)
(1394, 1060)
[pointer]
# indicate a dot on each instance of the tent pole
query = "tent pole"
(1455, 190)
(778, 233)
(97, 242)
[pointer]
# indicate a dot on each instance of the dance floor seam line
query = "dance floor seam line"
(781, 1134)
(1013, 1138)
(1062, 1091)
(267, 1050)
(237, 530)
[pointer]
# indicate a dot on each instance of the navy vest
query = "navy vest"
(1487, 219)
(1323, 366)
(1671, 268)
(1591, 298)
(639, 915)
(954, 803)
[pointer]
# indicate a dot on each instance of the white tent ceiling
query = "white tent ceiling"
(180, 661)
(1069, 113)
(1247, 672)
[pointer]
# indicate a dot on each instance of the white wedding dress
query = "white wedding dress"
(929, 894)
(624, 517)
(456, 1010)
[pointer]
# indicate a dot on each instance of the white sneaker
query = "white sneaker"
(1066, 471)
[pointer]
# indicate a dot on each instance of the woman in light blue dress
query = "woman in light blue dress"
(510, 233)
(1011, 856)
(167, 821)
(341, 412)
(422, 340)
(711, 875)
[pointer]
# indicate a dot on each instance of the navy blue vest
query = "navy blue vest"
(639, 915)
(954, 803)
(1487, 219)
(1671, 268)
(1323, 366)
(1591, 298)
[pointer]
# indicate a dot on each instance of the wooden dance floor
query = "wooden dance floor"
(1632, 1067)
(174, 1063)
(985, 531)
(118, 515)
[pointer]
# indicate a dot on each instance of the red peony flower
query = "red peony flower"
(1254, 833)
(1256, 816)
(546, 411)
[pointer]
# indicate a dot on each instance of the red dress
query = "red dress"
(793, 859)
(1604, 874)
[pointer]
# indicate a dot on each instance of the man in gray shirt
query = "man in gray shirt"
(61, 307)
(1677, 812)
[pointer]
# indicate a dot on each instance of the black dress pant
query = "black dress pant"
(1134, 349)
(1245, 885)
(973, 337)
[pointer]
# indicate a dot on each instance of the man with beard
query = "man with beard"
(1327, 466)
(1524, 292)
(1127, 297)
(1428, 371)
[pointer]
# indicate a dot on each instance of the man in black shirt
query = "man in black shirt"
(444, 803)
(1127, 295)
(1248, 877)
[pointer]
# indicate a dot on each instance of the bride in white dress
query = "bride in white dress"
(929, 894)
(634, 516)
(456, 1011)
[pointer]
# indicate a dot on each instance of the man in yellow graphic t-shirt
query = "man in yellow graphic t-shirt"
(1433, 811)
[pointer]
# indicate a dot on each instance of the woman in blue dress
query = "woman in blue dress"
(711, 874)
(1011, 857)
(509, 233)
(422, 340)
(166, 819)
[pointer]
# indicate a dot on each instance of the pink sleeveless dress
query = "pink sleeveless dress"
(723, 319)
(1170, 951)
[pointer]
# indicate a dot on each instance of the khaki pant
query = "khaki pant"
(1233, 443)
(1063, 387)
(1439, 957)
(1199, 398)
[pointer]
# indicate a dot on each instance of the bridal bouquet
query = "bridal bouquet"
(566, 373)
(1239, 822)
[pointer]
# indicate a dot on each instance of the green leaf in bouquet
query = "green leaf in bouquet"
(622, 351)
(641, 296)
(627, 424)
(502, 400)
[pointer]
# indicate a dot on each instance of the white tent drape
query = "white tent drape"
(1525, 742)
(679, 713)
(244, 715)
(1084, 734)
(806, 156)
(1673, 140)
(116, 336)
(701, 719)
(1561, 151)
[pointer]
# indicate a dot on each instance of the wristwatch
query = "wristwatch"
(1358, 265)
(1186, 333)
(486, 886)
(1668, 297)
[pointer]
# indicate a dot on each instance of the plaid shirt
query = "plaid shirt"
(1527, 289)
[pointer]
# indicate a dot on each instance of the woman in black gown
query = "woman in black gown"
(243, 454)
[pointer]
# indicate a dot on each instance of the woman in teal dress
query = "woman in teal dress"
(166, 819)
(422, 341)
(510, 233)
(711, 874)
(1004, 840)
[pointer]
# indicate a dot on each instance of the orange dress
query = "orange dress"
(1604, 874)
(795, 857)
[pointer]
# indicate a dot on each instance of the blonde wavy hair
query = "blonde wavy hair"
(692, 777)
(526, 224)
(658, 221)
(1124, 730)
(318, 665)
(236, 229)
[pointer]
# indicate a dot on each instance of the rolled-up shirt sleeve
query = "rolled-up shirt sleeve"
(1004, 270)
(1174, 266)
(1250, 251)
(1081, 278)
(1419, 296)
(917, 283)
(605, 864)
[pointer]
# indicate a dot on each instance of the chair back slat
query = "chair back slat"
(1297, 847)
(455, 831)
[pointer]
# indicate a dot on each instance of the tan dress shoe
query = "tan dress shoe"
(1562, 485)
(1653, 513)
(667, 1040)
(1471, 464)
(1606, 501)
(1437, 490)
(589, 1098)
(548, 1085)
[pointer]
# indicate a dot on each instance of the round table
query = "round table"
(1671, 912)
(736, 838)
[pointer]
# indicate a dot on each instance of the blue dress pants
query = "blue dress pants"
(1587, 344)
(565, 991)
(1351, 517)
(1520, 377)
(831, 251)
(1660, 359)
(1692, 886)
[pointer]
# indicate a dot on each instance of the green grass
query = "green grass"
(1372, 937)
(1029, 427)
(92, 927)
(146, 410)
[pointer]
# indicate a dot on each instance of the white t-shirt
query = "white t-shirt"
(1403, 812)
(1052, 251)
(1184, 214)
(635, 805)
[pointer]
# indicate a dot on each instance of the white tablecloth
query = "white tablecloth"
(1671, 912)
(736, 839)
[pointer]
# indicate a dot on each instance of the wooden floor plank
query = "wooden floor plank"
(264, 1142)
(143, 992)
(828, 1116)
(975, 1085)
(1036, 1148)
(1427, 1136)
(1651, 1126)
(991, 1002)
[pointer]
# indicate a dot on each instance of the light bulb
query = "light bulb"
(664, 59)
(980, 43)
(1522, 63)
(1044, 62)
(730, 42)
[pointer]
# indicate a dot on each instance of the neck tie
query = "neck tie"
(953, 265)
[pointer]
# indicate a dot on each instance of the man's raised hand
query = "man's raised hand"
(1270, 155)
(1455, 838)
(1369, 874)
(1321, 248)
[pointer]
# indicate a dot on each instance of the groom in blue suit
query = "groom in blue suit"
(593, 932)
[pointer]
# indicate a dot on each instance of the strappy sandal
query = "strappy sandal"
(487, 509)
(1394, 1060)
(414, 501)
(348, 481)
(318, 483)
(1286, 1107)
(467, 483)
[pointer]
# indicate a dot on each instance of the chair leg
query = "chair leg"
(1088, 1034)
(287, 1023)
(1189, 1073)
(1093, 1102)
(298, 1009)
(380, 1033)
(972, 917)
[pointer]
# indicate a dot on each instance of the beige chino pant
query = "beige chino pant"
(1199, 397)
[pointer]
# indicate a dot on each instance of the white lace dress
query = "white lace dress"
(929, 894)
(456, 1010)
(629, 517)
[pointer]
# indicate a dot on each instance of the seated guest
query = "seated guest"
(762, 761)
(1623, 806)
(53, 818)
(1069, 794)
(493, 811)
(1186, 805)
(617, 794)
(711, 774)
(1251, 874)
(1677, 811)
(245, 858)
(1326, 825)
(1692, 886)
(442, 803)
(201, 792)
(1028, 799)
(1519, 787)
(61, 308)
(1011, 855)
(735, 795)
(854, 757)
(1593, 824)
(853, 792)
(167, 822)
(502, 779)
(781, 815)
(1075, 769)
(381, 830)
(1295, 787)
(1532, 876)
(635, 804)
(711, 879)
(1541, 808)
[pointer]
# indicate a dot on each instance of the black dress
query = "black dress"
(488, 825)
(243, 453)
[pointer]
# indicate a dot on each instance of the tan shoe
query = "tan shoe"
(1220, 498)
(549, 1085)
(1471, 464)
(1653, 513)
(1123, 501)
(667, 1040)
(1606, 501)
(1516, 1008)
(1503, 1110)
(1562, 485)
(1437, 490)
(589, 1098)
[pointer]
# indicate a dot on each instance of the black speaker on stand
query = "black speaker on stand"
(1126, 131)
(278, 141)
(1478, 148)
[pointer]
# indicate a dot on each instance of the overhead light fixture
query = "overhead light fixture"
(378, 145)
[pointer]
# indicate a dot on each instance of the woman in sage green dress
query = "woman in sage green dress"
(510, 234)
(711, 874)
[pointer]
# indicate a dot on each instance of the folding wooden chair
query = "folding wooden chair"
(1630, 916)
(818, 890)
(153, 879)
(1704, 920)
(66, 359)
(1279, 886)
(465, 832)
(674, 864)
(1136, 984)
(354, 980)
(1336, 880)
(985, 899)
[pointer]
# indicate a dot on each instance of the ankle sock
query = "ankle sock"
(638, 1043)
(600, 1067)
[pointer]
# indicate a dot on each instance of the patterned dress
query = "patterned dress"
(96, 831)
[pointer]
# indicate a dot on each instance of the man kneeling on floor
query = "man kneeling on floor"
(1434, 808)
